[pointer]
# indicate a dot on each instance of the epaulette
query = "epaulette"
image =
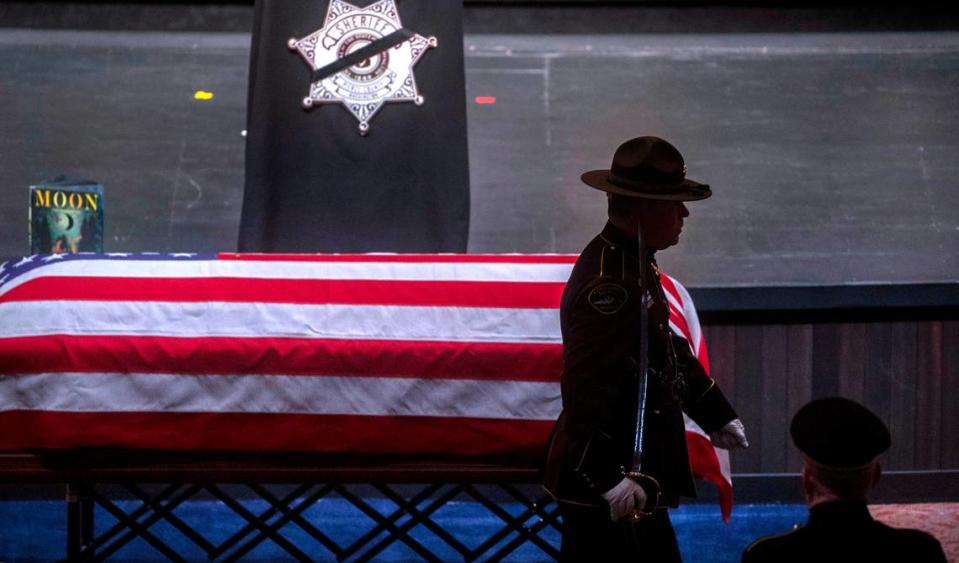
(612, 262)
(764, 539)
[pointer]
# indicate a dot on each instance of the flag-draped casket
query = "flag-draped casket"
(432, 356)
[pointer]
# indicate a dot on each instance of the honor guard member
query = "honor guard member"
(607, 515)
(840, 441)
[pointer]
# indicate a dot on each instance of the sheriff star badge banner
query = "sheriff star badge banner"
(362, 58)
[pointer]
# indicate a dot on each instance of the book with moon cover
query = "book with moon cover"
(66, 216)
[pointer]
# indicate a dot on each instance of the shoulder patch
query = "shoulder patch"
(608, 298)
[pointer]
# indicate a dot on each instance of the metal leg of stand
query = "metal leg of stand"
(79, 522)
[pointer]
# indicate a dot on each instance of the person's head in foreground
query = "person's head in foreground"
(841, 441)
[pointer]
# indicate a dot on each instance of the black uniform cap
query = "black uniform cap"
(838, 432)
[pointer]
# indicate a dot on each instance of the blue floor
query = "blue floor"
(36, 530)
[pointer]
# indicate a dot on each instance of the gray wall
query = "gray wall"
(833, 156)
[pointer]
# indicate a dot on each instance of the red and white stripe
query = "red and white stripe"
(465, 350)
(708, 462)
(374, 354)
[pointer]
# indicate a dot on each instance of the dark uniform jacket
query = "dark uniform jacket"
(845, 531)
(592, 442)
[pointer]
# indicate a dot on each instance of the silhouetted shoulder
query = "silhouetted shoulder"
(776, 547)
(876, 542)
(919, 546)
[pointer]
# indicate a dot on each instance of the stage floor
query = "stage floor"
(833, 156)
(40, 533)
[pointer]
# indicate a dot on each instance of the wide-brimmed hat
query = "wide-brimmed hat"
(647, 167)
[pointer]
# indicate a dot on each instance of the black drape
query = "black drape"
(314, 184)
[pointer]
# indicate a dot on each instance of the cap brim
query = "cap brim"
(689, 190)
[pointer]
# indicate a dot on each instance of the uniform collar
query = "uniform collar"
(839, 512)
(615, 236)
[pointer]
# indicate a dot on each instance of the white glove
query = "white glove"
(731, 436)
(624, 498)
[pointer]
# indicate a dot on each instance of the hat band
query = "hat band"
(626, 183)
(839, 468)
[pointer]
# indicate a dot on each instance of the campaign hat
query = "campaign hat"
(839, 432)
(647, 167)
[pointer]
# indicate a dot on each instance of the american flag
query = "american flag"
(435, 355)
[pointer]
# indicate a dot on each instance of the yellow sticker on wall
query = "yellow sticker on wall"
(203, 95)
